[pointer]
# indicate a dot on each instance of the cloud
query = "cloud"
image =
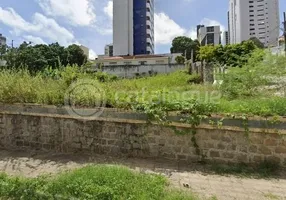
(166, 29)
(108, 9)
(92, 55)
(34, 40)
(211, 22)
(40, 26)
(77, 12)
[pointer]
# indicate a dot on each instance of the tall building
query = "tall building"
(108, 50)
(209, 35)
(133, 27)
(226, 37)
(2, 40)
(254, 18)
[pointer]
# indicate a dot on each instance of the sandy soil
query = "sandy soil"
(188, 178)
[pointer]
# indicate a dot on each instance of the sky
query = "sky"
(89, 22)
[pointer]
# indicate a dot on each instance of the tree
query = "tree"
(185, 45)
(180, 59)
(257, 42)
(38, 57)
(208, 53)
(76, 55)
(3, 50)
(230, 55)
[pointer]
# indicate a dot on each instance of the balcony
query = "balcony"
(149, 40)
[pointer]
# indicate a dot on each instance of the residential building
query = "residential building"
(133, 27)
(2, 40)
(108, 50)
(254, 18)
(209, 35)
(139, 60)
(228, 22)
(226, 37)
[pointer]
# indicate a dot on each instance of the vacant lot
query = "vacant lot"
(196, 180)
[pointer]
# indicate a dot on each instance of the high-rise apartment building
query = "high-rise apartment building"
(209, 35)
(226, 37)
(133, 27)
(254, 18)
(108, 50)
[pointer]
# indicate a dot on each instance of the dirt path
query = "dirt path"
(218, 187)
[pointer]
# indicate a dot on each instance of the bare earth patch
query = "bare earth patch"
(205, 185)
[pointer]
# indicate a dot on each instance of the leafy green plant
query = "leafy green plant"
(180, 59)
(92, 182)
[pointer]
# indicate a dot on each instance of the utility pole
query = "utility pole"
(284, 32)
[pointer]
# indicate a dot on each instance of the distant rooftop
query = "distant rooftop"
(134, 57)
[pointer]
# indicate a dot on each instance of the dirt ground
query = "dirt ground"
(188, 178)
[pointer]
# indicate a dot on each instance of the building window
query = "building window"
(210, 29)
(113, 63)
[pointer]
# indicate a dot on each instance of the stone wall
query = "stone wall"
(117, 137)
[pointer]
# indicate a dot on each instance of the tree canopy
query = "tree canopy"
(40, 56)
(230, 55)
(185, 45)
(257, 42)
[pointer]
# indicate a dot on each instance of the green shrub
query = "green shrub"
(92, 182)
(196, 79)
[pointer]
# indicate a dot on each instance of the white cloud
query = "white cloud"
(211, 22)
(166, 29)
(192, 33)
(34, 40)
(40, 26)
(92, 55)
(108, 9)
(77, 12)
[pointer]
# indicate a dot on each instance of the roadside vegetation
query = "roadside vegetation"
(258, 88)
(93, 182)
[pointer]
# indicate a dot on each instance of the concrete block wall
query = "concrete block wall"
(115, 137)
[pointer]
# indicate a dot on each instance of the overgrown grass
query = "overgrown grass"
(239, 94)
(92, 182)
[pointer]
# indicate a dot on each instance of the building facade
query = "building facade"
(226, 37)
(108, 50)
(133, 27)
(209, 35)
(2, 40)
(254, 18)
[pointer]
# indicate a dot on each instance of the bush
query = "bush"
(92, 182)
(196, 79)
(245, 81)
(180, 60)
